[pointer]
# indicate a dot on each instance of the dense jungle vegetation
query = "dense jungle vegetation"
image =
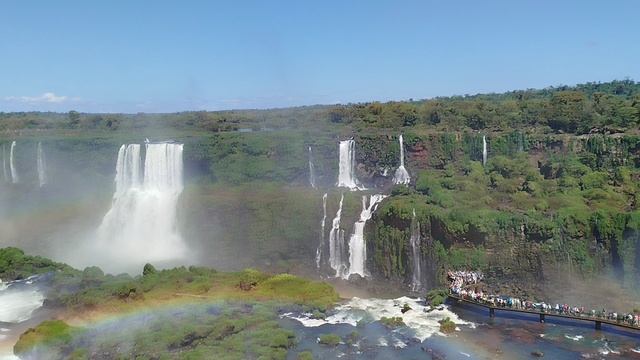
(559, 190)
(580, 109)
(180, 313)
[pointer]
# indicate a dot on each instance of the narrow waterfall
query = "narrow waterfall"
(12, 165)
(336, 244)
(484, 150)
(401, 176)
(312, 170)
(142, 224)
(357, 245)
(347, 165)
(415, 240)
(322, 226)
(5, 171)
(41, 165)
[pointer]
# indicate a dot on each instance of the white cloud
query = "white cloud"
(47, 97)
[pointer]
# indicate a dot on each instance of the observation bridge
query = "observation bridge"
(543, 314)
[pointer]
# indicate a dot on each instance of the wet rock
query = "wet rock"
(537, 353)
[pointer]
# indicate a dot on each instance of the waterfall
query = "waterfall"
(336, 244)
(14, 173)
(484, 150)
(416, 283)
(322, 225)
(357, 245)
(41, 165)
(312, 170)
(5, 171)
(401, 176)
(142, 221)
(347, 165)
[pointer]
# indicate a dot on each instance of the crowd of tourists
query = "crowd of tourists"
(465, 284)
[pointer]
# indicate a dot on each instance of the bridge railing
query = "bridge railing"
(551, 312)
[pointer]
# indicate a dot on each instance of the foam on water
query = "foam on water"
(19, 302)
(424, 323)
(574, 338)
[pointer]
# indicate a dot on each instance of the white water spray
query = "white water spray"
(347, 165)
(14, 173)
(336, 243)
(5, 171)
(322, 226)
(416, 282)
(402, 175)
(357, 245)
(484, 150)
(312, 170)
(41, 165)
(141, 225)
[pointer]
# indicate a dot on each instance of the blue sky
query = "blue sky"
(157, 56)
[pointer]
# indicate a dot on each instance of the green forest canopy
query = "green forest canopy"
(592, 107)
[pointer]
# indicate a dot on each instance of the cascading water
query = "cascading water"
(347, 165)
(141, 225)
(357, 245)
(336, 244)
(322, 226)
(416, 282)
(484, 150)
(401, 176)
(14, 173)
(5, 171)
(41, 165)
(312, 170)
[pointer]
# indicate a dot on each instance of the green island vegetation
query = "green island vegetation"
(198, 311)
(392, 322)
(447, 326)
(329, 339)
(436, 297)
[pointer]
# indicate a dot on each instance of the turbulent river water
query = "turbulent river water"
(476, 336)
(19, 305)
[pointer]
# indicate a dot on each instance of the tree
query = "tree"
(74, 118)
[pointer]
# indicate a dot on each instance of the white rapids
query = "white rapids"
(421, 319)
(18, 302)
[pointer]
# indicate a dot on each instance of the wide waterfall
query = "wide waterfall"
(322, 226)
(347, 165)
(402, 175)
(357, 245)
(41, 165)
(141, 225)
(416, 275)
(12, 165)
(5, 171)
(312, 170)
(336, 244)
(484, 150)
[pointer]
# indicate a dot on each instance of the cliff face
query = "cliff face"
(540, 202)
